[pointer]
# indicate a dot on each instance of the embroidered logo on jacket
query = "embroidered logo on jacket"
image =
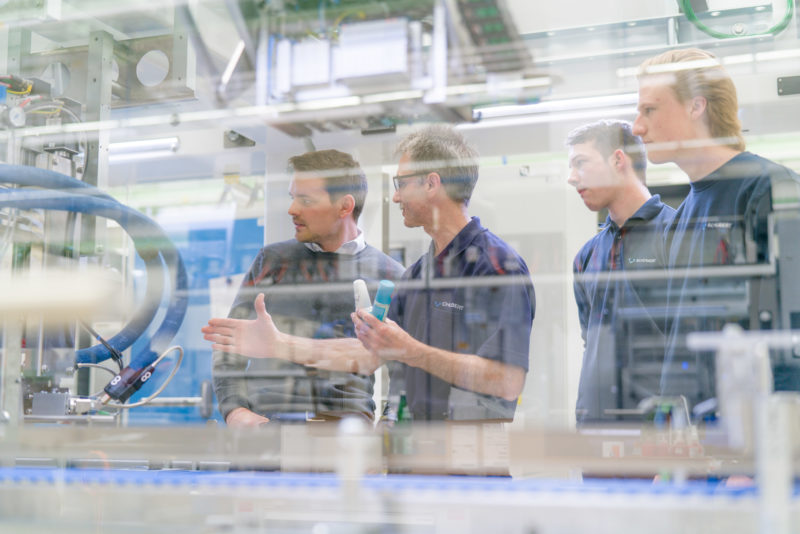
(450, 305)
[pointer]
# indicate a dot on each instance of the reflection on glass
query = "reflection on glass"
(137, 206)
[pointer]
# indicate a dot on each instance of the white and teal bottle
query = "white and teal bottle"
(380, 307)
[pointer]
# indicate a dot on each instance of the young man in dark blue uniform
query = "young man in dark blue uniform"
(460, 322)
(688, 115)
(309, 283)
(607, 168)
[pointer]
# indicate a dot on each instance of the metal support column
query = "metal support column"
(263, 59)
(438, 58)
(11, 394)
(98, 106)
(19, 48)
(98, 109)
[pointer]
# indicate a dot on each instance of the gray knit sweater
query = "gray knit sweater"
(308, 294)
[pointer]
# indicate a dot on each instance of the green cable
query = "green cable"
(686, 7)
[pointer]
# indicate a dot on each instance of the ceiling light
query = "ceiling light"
(777, 55)
(143, 149)
(542, 118)
(738, 59)
(682, 65)
(328, 103)
(551, 106)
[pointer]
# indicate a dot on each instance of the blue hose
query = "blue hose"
(152, 245)
(55, 182)
(35, 177)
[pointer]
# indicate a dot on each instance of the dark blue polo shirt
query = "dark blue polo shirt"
(475, 297)
(612, 308)
(723, 221)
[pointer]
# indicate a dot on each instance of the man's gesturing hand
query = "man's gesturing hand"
(256, 338)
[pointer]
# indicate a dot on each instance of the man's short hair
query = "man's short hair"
(701, 75)
(342, 174)
(609, 136)
(439, 148)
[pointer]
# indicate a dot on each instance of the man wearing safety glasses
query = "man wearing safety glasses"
(460, 321)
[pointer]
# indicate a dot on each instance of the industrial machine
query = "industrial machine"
(756, 295)
(142, 166)
(50, 220)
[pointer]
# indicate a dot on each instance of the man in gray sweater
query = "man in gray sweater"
(308, 283)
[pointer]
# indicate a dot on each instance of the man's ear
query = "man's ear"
(618, 159)
(433, 181)
(346, 206)
(698, 107)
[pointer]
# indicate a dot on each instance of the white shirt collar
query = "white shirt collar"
(350, 247)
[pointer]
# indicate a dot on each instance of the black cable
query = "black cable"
(115, 354)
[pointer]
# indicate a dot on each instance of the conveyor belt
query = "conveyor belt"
(394, 483)
(175, 501)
